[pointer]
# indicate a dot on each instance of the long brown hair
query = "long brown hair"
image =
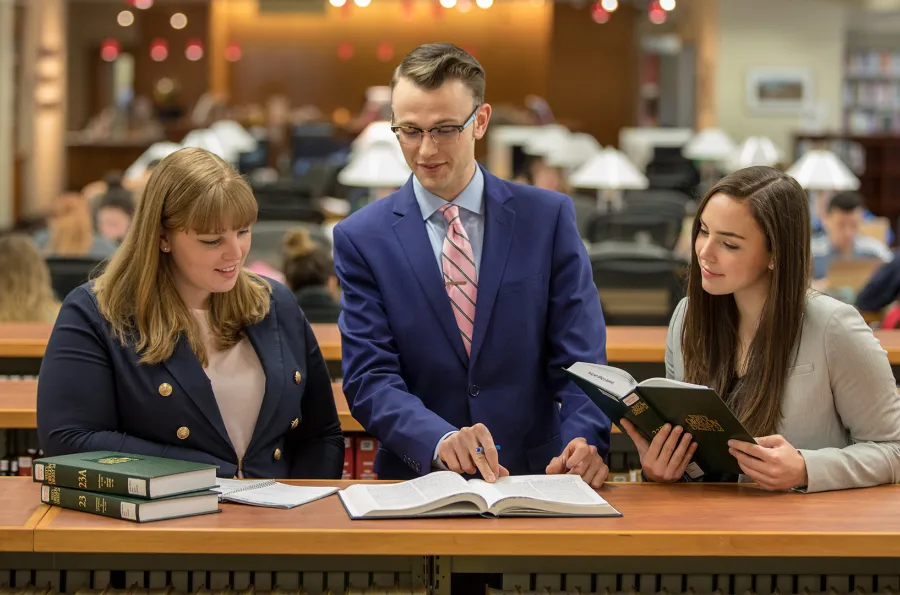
(26, 294)
(709, 338)
(191, 189)
(71, 228)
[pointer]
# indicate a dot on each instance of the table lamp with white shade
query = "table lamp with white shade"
(711, 148)
(823, 174)
(609, 172)
(379, 131)
(378, 166)
(204, 138)
(547, 140)
(580, 147)
(755, 150)
(154, 152)
(234, 137)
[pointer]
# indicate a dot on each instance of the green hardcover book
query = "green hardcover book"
(650, 404)
(124, 474)
(131, 509)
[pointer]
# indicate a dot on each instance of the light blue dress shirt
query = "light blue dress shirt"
(471, 214)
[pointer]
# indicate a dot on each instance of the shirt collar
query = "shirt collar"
(471, 198)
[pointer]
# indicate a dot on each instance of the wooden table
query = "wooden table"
(20, 511)
(644, 344)
(658, 520)
(18, 406)
(677, 535)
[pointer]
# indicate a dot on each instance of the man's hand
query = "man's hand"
(472, 449)
(580, 458)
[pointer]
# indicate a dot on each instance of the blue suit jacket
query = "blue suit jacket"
(406, 374)
(94, 395)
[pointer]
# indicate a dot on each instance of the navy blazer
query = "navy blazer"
(94, 395)
(407, 377)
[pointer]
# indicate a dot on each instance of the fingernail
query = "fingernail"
(687, 436)
(667, 427)
(491, 477)
(731, 443)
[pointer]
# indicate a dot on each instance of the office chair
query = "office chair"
(639, 285)
(67, 273)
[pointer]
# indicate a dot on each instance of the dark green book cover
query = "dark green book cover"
(650, 404)
(131, 509)
(124, 474)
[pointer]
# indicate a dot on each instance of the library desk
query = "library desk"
(18, 406)
(682, 537)
(20, 511)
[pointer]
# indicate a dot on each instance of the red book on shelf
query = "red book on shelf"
(349, 458)
(366, 447)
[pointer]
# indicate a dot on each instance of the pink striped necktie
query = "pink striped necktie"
(458, 265)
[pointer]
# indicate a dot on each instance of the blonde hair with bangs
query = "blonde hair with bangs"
(190, 189)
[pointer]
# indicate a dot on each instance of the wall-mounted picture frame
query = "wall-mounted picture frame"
(779, 90)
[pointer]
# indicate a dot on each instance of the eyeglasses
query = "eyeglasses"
(441, 135)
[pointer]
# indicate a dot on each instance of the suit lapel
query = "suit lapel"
(267, 343)
(410, 230)
(187, 371)
(499, 223)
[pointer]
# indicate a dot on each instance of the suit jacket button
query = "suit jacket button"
(277, 454)
(297, 377)
(183, 432)
(474, 390)
(165, 389)
(295, 422)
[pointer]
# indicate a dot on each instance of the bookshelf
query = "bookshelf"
(872, 92)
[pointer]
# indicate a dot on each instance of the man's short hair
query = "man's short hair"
(431, 65)
(846, 202)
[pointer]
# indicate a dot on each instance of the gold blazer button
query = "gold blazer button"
(183, 432)
(165, 389)
(295, 422)
(277, 454)
(297, 377)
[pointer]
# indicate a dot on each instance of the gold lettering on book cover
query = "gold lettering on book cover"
(82, 479)
(105, 482)
(639, 408)
(100, 504)
(82, 501)
(703, 424)
(54, 496)
(115, 460)
(50, 473)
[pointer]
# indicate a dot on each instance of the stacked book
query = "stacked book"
(137, 488)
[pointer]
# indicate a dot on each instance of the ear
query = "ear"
(772, 265)
(164, 245)
(481, 120)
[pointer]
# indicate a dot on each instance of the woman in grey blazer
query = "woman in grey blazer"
(801, 370)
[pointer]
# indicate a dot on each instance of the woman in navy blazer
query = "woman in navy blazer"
(130, 363)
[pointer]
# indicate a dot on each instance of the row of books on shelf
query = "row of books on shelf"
(872, 95)
(862, 121)
(18, 449)
(170, 590)
(873, 63)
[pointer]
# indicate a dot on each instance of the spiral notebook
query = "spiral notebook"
(268, 492)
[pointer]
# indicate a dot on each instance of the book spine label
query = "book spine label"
(642, 416)
(102, 504)
(68, 476)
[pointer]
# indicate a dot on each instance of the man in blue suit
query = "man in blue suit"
(464, 297)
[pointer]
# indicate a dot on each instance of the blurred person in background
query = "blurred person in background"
(114, 211)
(25, 291)
(70, 231)
(309, 272)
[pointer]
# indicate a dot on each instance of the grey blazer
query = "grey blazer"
(840, 406)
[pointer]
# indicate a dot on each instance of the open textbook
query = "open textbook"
(268, 493)
(652, 403)
(445, 493)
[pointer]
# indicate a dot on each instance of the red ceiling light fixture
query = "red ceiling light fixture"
(159, 49)
(345, 51)
(233, 52)
(599, 14)
(385, 51)
(142, 4)
(193, 51)
(656, 13)
(408, 8)
(109, 50)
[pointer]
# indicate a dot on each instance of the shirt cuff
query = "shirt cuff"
(436, 463)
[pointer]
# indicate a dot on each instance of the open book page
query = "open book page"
(608, 379)
(269, 493)
(668, 382)
(407, 498)
(557, 494)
